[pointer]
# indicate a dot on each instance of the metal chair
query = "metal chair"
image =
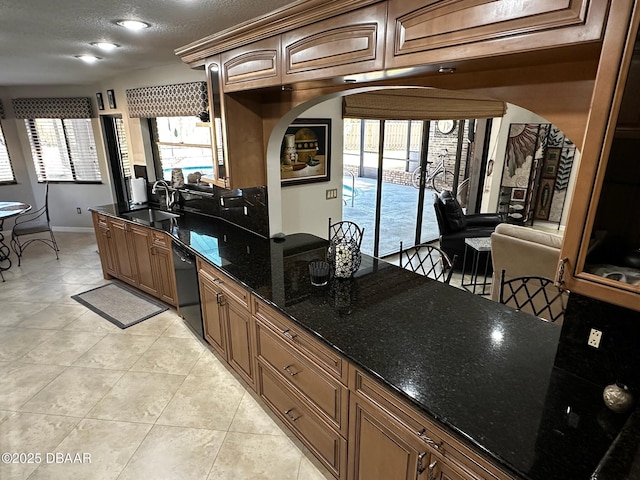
(429, 261)
(536, 295)
(31, 223)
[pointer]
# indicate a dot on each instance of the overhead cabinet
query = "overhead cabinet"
(347, 44)
(252, 66)
(441, 32)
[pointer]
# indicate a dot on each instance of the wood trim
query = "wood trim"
(285, 19)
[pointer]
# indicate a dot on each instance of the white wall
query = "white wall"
(304, 208)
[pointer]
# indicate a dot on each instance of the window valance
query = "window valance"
(56, 107)
(180, 100)
(420, 104)
(1, 110)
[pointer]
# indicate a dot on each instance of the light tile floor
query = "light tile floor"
(151, 401)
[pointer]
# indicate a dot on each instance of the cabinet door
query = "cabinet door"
(212, 314)
(240, 347)
(144, 261)
(436, 32)
(380, 448)
(105, 245)
(252, 66)
(601, 250)
(343, 45)
(125, 264)
(165, 276)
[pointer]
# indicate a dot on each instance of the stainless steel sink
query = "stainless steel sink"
(151, 215)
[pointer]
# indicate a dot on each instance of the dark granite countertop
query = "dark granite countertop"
(481, 369)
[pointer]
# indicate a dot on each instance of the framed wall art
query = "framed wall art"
(305, 152)
(111, 97)
(100, 101)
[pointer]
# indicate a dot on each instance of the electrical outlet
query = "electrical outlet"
(594, 338)
(78, 210)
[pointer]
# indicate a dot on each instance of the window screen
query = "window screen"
(6, 169)
(63, 150)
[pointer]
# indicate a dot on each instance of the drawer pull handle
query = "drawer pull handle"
(220, 298)
(289, 371)
(288, 334)
(291, 417)
(423, 436)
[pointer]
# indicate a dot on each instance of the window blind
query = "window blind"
(123, 148)
(63, 150)
(6, 169)
(420, 104)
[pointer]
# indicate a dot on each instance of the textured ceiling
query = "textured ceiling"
(39, 38)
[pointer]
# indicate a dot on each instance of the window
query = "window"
(63, 150)
(6, 169)
(182, 142)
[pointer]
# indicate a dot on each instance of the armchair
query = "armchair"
(455, 226)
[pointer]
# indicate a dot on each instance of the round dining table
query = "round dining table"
(8, 210)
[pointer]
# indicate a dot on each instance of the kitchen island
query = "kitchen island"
(479, 370)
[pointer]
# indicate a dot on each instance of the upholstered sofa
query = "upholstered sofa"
(523, 251)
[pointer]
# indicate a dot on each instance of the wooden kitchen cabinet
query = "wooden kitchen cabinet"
(380, 448)
(137, 255)
(385, 430)
(447, 32)
(163, 267)
(255, 65)
(105, 243)
(346, 44)
(140, 252)
(126, 265)
(228, 324)
(600, 256)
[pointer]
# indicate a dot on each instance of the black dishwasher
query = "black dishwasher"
(184, 264)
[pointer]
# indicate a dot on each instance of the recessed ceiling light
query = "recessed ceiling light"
(133, 24)
(88, 58)
(105, 45)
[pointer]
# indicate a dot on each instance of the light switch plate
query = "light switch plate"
(332, 193)
(594, 338)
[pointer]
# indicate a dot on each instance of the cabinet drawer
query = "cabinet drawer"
(326, 443)
(321, 390)
(102, 221)
(160, 239)
(226, 283)
(293, 336)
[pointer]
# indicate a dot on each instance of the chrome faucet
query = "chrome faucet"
(169, 196)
